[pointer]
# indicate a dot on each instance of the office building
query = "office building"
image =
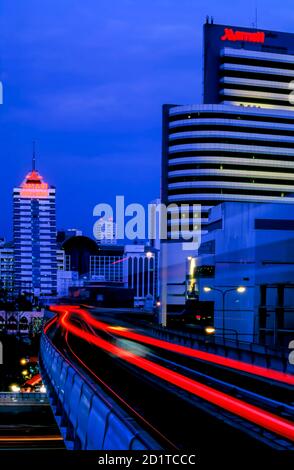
(6, 270)
(248, 66)
(77, 253)
(237, 146)
(105, 232)
(216, 153)
(108, 265)
(141, 272)
(65, 281)
(249, 245)
(132, 266)
(34, 232)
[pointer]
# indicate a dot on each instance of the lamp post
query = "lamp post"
(224, 292)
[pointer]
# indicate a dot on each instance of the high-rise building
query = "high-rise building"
(238, 145)
(6, 270)
(216, 153)
(249, 67)
(34, 232)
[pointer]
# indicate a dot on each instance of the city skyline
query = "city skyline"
(144, 61)
(147, 232)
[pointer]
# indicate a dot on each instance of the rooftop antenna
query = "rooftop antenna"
(34, 156)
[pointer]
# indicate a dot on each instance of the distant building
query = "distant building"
(133, 266)
(21, 322)
(78, 251)
(105, 232)
(63, 235)
(66, 280)
(108, 265)
(7, 270)
(63, 260)
(141, 272)
(34, 233)
(250, 245)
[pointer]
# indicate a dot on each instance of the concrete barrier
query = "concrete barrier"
(88, 419)
(257, 354)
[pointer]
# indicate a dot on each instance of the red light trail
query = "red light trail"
(201, 355)
(118, 397)
(236, 406)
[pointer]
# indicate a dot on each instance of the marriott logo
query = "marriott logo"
(231, 35)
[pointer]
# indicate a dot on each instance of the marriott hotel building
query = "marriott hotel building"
(239, 144)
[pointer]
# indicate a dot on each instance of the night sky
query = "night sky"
(87, 78)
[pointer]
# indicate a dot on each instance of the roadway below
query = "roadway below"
(28, 425)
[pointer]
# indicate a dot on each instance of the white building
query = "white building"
(105, 232)
(239, 145)
(34, 232)
(66, 278)
(141, 272)
(250, 245)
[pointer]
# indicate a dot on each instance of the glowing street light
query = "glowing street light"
(239, 290)
(210, 330)
(207, 289)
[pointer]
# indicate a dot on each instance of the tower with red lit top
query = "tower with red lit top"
(34, 233)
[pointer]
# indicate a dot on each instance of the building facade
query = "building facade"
(216, 153)
(248, 66)
(105, 232)
(249, 245)
(34, 233)
(237, 146)
(141, 272)
(7, 270)
(108, 265)
(131, 266)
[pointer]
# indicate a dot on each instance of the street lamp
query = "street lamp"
(239, 290)
(209, 330)
(207, 289)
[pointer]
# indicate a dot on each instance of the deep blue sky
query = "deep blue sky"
(87, 78)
